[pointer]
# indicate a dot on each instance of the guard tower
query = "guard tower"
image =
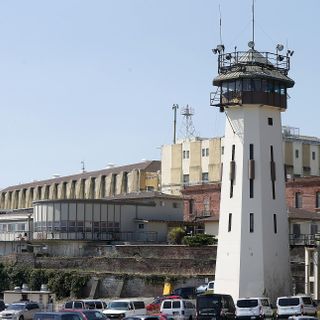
(253, 248)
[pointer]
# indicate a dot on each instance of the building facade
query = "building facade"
(199, 161)
(144, 176)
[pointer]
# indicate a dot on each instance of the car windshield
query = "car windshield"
(93, 315)
(16, 307)
(288, 302)
(208, 305)
(247, 303)
(119, 305)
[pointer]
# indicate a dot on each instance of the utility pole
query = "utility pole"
(174, 108)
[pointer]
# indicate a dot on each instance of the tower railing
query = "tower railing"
(240, 59)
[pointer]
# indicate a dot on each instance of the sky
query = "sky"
(95, 80)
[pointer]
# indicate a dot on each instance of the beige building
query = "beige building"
(99, 184)
(198, 160)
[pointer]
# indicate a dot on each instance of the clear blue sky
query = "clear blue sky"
(95, 80)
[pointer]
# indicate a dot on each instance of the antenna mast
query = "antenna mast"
(220, 25)
(187, 112)
(174, 108)
(253, 22)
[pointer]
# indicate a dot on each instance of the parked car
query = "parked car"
(88, 314)
(302, 318)
(254, 308)
(85, 304)
(119, 309)
(2, 305)
(185, 292)
(20, 311)
(215, 306)
(154, 306)
(205, 287)
(149, 317)
(57, 316)
(295, 305)
(181, 308)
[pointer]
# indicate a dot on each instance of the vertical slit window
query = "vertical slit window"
(251, 223)
(272, 173)
(251, 170)
(275, 226)
(232, 170)
(230, 222)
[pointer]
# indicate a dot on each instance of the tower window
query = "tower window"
(270, 121)
(275, 226)
(298, 200)
(297, 153)
(251, 223)
(313, 155)
(229, 222)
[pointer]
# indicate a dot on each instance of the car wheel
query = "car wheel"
(21, 318)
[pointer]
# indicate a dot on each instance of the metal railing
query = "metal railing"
(302, 240)
(228, 61)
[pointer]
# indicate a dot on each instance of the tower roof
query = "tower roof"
(253, 64)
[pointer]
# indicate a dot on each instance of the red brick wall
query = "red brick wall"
(200, 194)
(308, 187)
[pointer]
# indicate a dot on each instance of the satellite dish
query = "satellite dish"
(280, 47)
(251, 44)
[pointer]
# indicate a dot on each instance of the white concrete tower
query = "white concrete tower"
(253, 248)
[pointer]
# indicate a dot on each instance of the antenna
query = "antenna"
(220, 22)
(83, 167)
(253, 23)
(174, 108)
(187, 112)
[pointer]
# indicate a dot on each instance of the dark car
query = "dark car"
(217, 306)
(88, 314)
(57, 316)
(185, 292)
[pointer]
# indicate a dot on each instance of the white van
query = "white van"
(178, 308)
(118, 309)
(254, 308)
(296, 305)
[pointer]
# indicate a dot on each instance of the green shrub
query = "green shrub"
(199, 239)
(176, 235)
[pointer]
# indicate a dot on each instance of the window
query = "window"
(313, 155)
(270, 121)
(205, 152)
(175, 205)
(185, 179)
(297, 153)
(205, 177)
(206, 205)
(222, 150)
(318, 199)
(313, 229)
(230, 222)
(296, 230)
(251, 227)
(298, 200)
(191, 206)
(141, 226)
(275, 226)
(185, 154)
